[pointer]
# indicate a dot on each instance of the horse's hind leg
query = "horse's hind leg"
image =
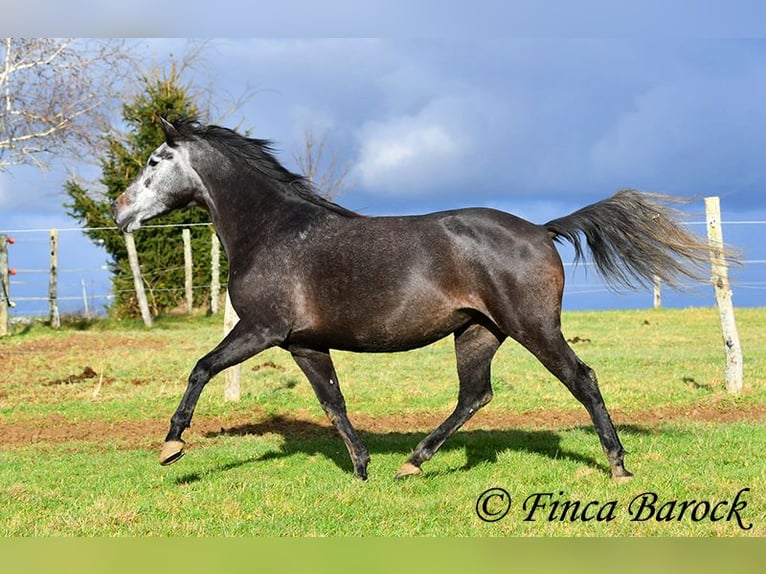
(318, 368)
(474, 348)
(552, 350)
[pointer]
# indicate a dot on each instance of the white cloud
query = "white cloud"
(406, 154)
(438, 145)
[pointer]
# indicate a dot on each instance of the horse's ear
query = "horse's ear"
(170, 131)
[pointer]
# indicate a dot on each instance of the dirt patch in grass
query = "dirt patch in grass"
(87, 373)
(54, 430)
(33, 362)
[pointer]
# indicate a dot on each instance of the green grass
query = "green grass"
(277, 486)
(297, 481)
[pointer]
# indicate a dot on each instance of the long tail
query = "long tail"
(633, 238)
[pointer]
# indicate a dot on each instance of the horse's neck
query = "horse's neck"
(254, 217)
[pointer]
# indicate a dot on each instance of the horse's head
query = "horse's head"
(167, 181)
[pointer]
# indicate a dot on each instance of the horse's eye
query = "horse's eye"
(153, 162)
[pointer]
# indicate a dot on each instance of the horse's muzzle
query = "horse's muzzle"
(117, 206)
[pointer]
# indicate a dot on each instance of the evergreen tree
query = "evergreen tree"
(160, 250)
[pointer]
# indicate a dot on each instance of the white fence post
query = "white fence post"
(233, 375)
(186, 233)
(657, 292)
(138, 281)
(55, 318)
(4, 286)
(733, 368)
(215, 273)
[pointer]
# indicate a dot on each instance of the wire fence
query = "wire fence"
(84, 285)
(84, 279)
(748, 280)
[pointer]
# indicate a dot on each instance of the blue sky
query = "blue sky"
(535, 126)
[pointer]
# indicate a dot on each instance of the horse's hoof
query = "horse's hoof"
(623, 476)
(408, 469)
(172, 450)
(360, 472)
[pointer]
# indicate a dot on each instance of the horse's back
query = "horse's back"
(442, 246)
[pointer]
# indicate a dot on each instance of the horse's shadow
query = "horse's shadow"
(481, 446)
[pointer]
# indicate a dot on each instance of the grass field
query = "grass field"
(83, 412)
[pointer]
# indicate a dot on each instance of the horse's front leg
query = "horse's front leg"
(242, 342)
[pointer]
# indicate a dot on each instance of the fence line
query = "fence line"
(714, 224)
(210, 224)
(93, 284)
(108, 228)
(572, 288)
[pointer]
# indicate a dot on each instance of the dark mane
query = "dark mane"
(258, 154)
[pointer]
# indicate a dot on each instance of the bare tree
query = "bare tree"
(321, 165)
(55, 96)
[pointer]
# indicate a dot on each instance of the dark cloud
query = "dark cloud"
(425, 122)
(536, 119)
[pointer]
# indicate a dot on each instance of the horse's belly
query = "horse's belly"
(381, 334)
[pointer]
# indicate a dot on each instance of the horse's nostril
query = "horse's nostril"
(117, 204)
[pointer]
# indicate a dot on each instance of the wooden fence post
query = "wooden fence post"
(657, 292)
(85, 308)
(733, 369)
(215, 273)
(55, 318)
(4, 286)
(138, 281)
(186, 232)
(233, 375)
